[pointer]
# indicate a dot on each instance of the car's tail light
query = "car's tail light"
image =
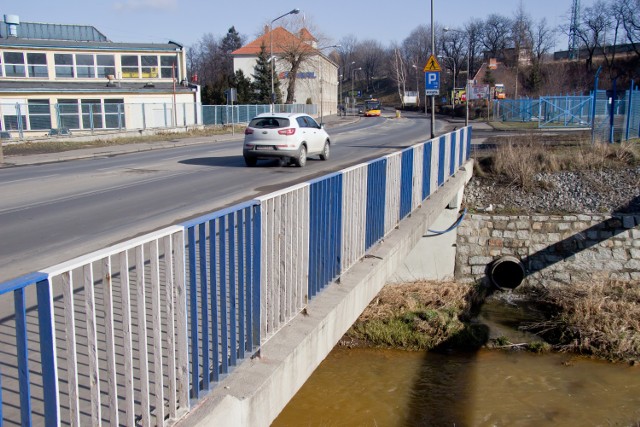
(248, 131)
(288, 131)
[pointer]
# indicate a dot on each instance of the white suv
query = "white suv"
(291, 137)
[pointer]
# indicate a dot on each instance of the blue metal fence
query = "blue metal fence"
(611, 115)
(213, 289)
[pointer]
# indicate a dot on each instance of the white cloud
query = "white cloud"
(145, 4)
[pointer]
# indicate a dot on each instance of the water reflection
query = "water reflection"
(368, 387)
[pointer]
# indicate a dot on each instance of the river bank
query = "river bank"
(598, 319)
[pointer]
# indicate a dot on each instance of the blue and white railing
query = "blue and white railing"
(139, 331)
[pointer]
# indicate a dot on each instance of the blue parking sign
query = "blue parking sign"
(432, 82)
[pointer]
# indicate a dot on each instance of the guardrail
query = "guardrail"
(138, 332)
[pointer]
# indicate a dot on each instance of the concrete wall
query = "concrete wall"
(554, 249)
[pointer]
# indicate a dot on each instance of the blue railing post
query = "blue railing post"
(204, 310)
(46, 327)
(22, 345)
(257, 268)
(213, 269)
(193, 309)
(426, 169)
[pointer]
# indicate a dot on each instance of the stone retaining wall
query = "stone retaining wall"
(553, 249)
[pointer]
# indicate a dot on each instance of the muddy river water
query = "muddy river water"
(370, 387)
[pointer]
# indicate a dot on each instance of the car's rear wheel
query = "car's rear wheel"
(301, 159)
(250, 161)
(325, 151)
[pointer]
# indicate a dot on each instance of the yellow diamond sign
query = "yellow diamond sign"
(432, 65)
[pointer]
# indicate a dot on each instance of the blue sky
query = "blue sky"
(186, 21)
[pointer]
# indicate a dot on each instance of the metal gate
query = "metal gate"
(565, 112)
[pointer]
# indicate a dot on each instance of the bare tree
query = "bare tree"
(296, 46)
(592, 30)
(370, 56)
(454, 47)
(347, 51)
(544, 39)
(627, 12)
(399, 74)
(495, 36)
(417, 46)
(474, 30)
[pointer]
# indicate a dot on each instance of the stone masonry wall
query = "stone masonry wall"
(553, 249)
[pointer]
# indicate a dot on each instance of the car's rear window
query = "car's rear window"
(269, 123)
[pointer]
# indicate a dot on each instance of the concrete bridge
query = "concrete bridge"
(220, 320)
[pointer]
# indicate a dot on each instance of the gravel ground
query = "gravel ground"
(605, 191)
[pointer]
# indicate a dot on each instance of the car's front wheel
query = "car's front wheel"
(301, 159)
(325, 151)
(250, 161)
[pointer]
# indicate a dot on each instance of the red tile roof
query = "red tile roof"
(281, 39)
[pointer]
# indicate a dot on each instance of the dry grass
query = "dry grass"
(516, 161)
(600, 319)
(56, 145)
(414, 316)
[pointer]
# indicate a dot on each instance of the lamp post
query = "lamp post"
(454, 78)
(353, 76)
(417, 87)
(466, 86)
(271, 59)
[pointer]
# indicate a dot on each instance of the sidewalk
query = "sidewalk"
(93, 152)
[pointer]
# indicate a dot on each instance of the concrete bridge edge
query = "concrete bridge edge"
(259, 388)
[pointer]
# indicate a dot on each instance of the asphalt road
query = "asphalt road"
(50, 213)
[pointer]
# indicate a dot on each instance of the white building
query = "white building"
(317, 79)
(71, 76)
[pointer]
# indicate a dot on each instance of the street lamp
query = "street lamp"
(353, 76)
(454, 78)
(417, 86)
(271, 58)
(467, 94)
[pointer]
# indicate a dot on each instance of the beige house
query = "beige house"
(69, 76)
(317, 79)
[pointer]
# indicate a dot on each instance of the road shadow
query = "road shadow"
(228, 162)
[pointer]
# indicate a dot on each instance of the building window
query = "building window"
(64, 65)
(68, 113)
(106, 65)
(39, 114)
(14, 64)
(166, 67)
(37, 65)
(1, 67)
(130, 64)
(91, 114)
(149, 67)
(114, 113)
(85, 66)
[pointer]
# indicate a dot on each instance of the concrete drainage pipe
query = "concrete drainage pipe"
(506, 272)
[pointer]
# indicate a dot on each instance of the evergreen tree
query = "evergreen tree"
(244, 87)
(262, 80)
(230, 42)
